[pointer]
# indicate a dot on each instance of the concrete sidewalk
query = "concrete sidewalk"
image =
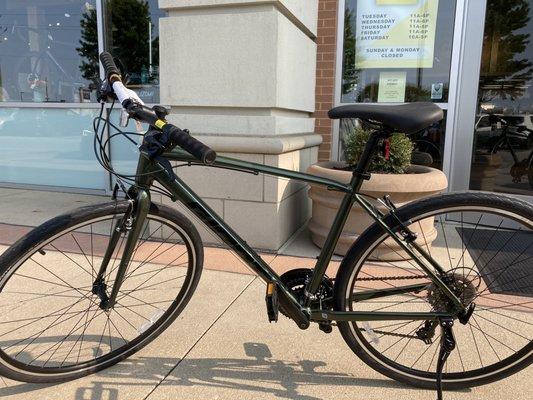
(222, 346)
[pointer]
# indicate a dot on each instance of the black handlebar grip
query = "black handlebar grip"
(191, 145)
(109, 65)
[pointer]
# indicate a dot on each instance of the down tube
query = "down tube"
(191, 200)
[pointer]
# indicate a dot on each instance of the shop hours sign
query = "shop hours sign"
(395, 33)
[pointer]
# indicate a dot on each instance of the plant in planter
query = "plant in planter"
(394, 175)
(399, 157)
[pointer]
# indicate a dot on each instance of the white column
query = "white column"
(240, 74)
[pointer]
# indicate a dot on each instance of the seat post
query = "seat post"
(360, 173)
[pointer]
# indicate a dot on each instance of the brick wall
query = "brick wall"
(325, 73)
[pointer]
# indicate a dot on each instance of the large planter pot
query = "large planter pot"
(419, 182)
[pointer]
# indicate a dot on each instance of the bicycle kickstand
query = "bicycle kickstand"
(447, 345)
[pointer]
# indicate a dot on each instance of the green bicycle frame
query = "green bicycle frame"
(303, 314)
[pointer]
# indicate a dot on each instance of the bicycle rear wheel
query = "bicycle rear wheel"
(485, 244)
(51, 325)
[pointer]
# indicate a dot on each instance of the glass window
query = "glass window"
(48, 51)
(132, 36)
(48, 146)
(397, 52)
(502, 158)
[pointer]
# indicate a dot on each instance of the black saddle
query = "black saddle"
(406, 118)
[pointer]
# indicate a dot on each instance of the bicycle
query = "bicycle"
(504, 142)
(441, 284)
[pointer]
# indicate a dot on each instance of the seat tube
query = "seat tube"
(359, 175)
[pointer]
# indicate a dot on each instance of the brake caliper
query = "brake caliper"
(408, 235)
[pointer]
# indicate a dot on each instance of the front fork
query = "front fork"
(132, 223)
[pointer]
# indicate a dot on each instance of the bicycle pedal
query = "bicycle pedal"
(272, 302)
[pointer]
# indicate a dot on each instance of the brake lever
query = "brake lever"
(160, 111)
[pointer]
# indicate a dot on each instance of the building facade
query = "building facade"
(254, 79)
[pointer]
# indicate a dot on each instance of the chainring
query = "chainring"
(297, 279)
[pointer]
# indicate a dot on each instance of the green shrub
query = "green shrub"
(401, 149)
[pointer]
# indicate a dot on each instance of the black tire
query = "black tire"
(57, 229)
(364, 247)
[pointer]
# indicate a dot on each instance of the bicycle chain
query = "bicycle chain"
(391, 278)
(402, 335)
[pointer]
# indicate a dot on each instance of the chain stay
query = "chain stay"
(392, 278)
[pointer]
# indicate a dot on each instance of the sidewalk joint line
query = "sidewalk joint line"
(200, 338)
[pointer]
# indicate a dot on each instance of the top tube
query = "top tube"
(246, 166)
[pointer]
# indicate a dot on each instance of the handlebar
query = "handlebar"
(109, 65)
(193, 146)
(493, 119)
(173, 136)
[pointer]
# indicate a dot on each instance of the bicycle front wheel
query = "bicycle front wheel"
(52, 327)
(485, 245)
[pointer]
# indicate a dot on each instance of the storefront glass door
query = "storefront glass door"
(397, 52)
(502, 155)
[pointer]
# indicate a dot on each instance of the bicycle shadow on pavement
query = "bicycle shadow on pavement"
(259, 373)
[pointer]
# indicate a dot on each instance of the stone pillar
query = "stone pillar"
(240, 75)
